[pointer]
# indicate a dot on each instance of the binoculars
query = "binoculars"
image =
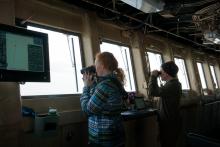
(90, 69)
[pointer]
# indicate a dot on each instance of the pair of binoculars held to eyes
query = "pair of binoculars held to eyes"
(90, 69)
(158, 73)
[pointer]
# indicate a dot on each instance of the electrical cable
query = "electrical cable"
(149, 25)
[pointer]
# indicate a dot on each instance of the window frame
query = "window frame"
(212, 76)
(187, 73)
(131, 57)
(155, 52)
(159, 81)
(203, 74)
(53, 28)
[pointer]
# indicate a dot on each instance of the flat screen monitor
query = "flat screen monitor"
(24, 55)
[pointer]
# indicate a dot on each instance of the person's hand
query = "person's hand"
(88, 79)
(155, 73)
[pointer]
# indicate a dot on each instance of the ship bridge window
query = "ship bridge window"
(212, 70)
(182, 73)
(65, 65)
(122, 54)
(201, 75)
(155, 61)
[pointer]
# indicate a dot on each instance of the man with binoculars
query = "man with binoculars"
(169, 117)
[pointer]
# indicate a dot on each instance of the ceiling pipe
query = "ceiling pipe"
(196, 4)
(149, 25)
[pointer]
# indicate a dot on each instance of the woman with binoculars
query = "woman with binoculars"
(102, 101)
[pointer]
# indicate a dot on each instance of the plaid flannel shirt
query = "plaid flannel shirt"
(103, 105)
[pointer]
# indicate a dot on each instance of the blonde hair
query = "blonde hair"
(109, 62)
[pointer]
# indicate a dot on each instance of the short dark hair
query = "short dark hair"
(170, 68)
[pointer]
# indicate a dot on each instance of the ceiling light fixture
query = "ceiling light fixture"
(147, 6)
